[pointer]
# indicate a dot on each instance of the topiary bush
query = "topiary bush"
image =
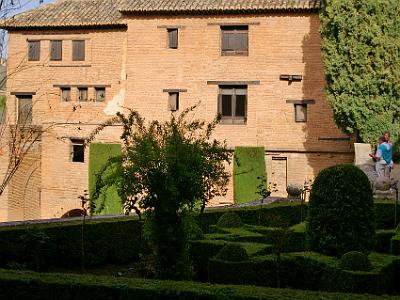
(355, 261)
(229, 220)
(341, 212)
(232, 252)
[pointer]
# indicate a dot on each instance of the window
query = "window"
(34, 50)
(234, 40)
(78, 50)
(300, 112)
(78, 150)
(65, 94)
(172, 38)
(173, 101)
(82, 94)
(100, 94)
(55, 50)
(25, 109)
(232, 104)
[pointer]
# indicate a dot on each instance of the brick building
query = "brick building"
(78, 62)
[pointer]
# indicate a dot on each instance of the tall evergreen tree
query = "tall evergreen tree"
(361, 53)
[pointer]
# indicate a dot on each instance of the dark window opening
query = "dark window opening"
(82, 94)
(232, 104)
(78, 150)
(25, 110)
(78, 50)
(34, 50)
(172, 38)
(234, 40)
(300, 112)
(65, 94)
(173, 101)
(55, 50)
(100, 94)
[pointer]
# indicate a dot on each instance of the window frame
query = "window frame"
(235, 31)
(96, 91)
(77, 144)
(66, 89)
(305, 113)
(233, 91)
(173, 37)
(79, 94)
(173, 106)
(32, 56)
(54, 51)
(29, 116)
(78, 52)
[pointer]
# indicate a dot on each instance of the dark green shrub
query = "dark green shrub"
(395, 245)
(355, 261)
(229, 220)
(341, 215)
(232, 252)
(383, 237)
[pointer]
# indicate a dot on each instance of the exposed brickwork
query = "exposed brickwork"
(136, 66)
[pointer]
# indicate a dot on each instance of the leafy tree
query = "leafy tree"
(360, 50)
(166, 168)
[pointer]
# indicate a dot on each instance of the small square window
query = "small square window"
(173, 101)
(235, 40)
(55, 50)
(100, 94)
(65, 94)
(82, 94)
(78, 150)
(34, 50)
(300, 112)
(172, 38)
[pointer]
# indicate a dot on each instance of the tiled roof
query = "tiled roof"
(216, 6)
(95, 13)
(69, 13)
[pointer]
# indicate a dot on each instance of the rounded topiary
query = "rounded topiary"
(229, 220)
(355, 261)
(341, 212)
(232, 252)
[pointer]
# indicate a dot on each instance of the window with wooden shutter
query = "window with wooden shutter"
(300, 112)
(234, 40)
(100, 94)
(173, 101)
(78, 50)
(33, 50)
(173, 38)
(65, 94)
(55, 50)
(232, 104)
(25, 110)
(82, 94)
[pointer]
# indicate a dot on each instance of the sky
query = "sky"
(10, 8)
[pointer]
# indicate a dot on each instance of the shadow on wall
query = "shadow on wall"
(325, 144)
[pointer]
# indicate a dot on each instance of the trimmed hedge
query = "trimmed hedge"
(265, 215)
(308, 271)
(106, 241)
(395, 245)
(383, 238)
(34, 286)
(273, 214)
(248, 167)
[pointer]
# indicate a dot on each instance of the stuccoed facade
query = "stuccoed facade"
(128, 56)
